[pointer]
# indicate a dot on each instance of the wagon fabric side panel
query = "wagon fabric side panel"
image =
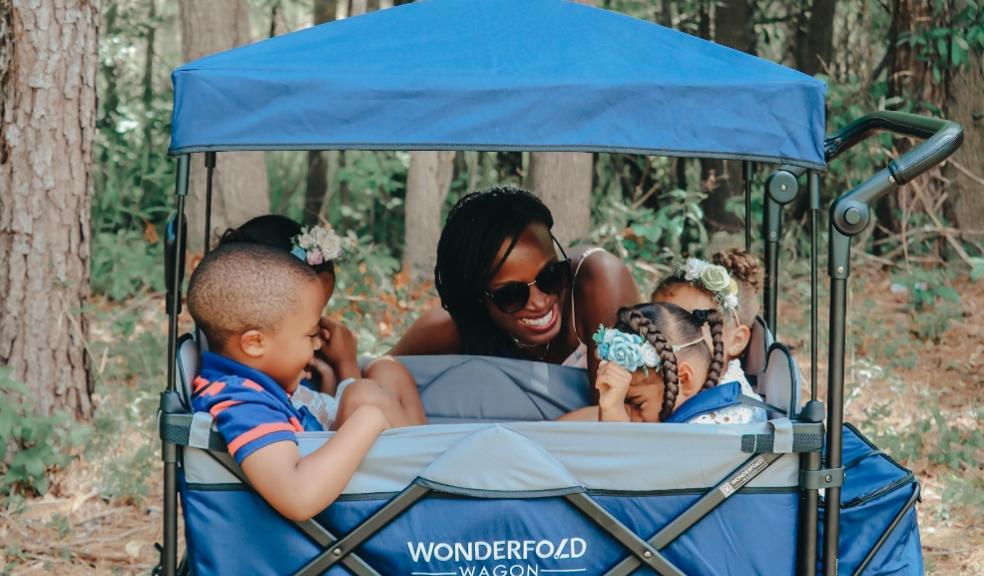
(498, 502)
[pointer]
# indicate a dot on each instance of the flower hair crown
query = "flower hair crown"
(714, 278)
(630, 351)
(317, 245)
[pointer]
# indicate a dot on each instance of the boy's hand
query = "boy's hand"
(612, 383)
(339, 348)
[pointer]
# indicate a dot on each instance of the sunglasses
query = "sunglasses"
(512, 297)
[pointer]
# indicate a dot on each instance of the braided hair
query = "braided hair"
(473, 233)
(662, 323)
(271, 230)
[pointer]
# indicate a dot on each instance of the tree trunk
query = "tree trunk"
(720, 179)
(317, 169)
(240, 183)
(47, 125)
(428, 180)
(563, 180)
(965, 106)
(814, 37)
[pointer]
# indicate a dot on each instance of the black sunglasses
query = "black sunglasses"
(553, 278)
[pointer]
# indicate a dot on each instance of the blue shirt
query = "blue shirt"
(250, 409)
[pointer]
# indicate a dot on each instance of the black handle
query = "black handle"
(943, 137)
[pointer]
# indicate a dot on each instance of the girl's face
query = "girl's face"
(644, 398)
(327, 279)
(539, 320)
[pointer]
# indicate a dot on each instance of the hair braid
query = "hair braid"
(716, 324)
(645, 327)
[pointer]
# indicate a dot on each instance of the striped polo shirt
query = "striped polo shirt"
(249, 408)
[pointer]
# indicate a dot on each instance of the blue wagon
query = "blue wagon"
(490, 488)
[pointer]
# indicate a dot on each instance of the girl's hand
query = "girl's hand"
(612, 383)
(338, 345)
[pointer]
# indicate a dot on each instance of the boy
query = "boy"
(260, 310)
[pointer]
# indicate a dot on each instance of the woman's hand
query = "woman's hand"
(338, 345)
(612, 383)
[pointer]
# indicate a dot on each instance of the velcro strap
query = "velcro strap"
(783, 431)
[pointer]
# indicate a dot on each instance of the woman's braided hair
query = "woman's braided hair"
(660, 322)
(473, 233)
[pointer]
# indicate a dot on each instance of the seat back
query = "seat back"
(188, 361)
(757, 352)
(780, 384)
(480, 388)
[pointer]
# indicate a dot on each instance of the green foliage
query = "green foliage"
(31, 445)
(934, 303)
(125, 264)
(949, 46)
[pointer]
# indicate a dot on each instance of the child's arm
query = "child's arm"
(612, 383)
(586, 414)
(299, 487)
(339, 349)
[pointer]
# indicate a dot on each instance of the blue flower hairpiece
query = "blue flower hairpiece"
(630, 351)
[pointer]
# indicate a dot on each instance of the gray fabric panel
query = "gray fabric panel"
(757, 351)
(624, 457)
(201, 427)
(780, 385)
(497, 458)
(455, 388)
(188, 365)
(783, 430)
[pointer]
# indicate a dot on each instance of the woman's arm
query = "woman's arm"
(604, 284)
(433, 333)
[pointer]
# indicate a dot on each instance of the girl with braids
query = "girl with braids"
(658, 367)
(508, 289)
(730, 282)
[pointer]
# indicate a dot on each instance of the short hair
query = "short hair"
(243, 286)
(475, 230)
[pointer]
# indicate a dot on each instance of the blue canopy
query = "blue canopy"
(498, 75)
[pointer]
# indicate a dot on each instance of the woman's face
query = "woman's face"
(539, 321)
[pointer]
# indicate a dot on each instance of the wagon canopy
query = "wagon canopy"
(498, 75)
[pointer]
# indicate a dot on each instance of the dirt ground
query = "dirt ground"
(75, 530)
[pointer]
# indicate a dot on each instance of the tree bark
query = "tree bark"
(47, 125)
(966, 106)
(240, 183)
(316, 191)
(563, 180)
(814, 36)
(428, 180)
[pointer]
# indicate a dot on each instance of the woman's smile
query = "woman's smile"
(542, 323)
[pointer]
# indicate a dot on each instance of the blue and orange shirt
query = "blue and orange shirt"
(250, 409)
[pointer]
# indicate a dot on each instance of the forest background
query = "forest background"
(82, 329)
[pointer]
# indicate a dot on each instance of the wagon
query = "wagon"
(490, 487)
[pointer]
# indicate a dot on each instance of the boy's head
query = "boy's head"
(687, 364)
(746, 271)
(259, 306)
(279, 232)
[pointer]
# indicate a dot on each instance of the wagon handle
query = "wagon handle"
(942, 137)
(850, 214)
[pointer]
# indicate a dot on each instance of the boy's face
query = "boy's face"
(289, 348)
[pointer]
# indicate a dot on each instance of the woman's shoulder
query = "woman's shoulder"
(434, 332)
(592, 261)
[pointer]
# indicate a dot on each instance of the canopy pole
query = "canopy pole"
(746, 174)
(209, 171)
(780, 189)
(814, 185)
(170, 402)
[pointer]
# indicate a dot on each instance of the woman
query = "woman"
(506, 291)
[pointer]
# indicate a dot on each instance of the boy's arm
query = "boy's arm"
(299, 487)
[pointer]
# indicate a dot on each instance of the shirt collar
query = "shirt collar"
(224, 365)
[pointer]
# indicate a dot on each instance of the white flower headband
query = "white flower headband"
(713, 278)
(630, 351)
(317, 245)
